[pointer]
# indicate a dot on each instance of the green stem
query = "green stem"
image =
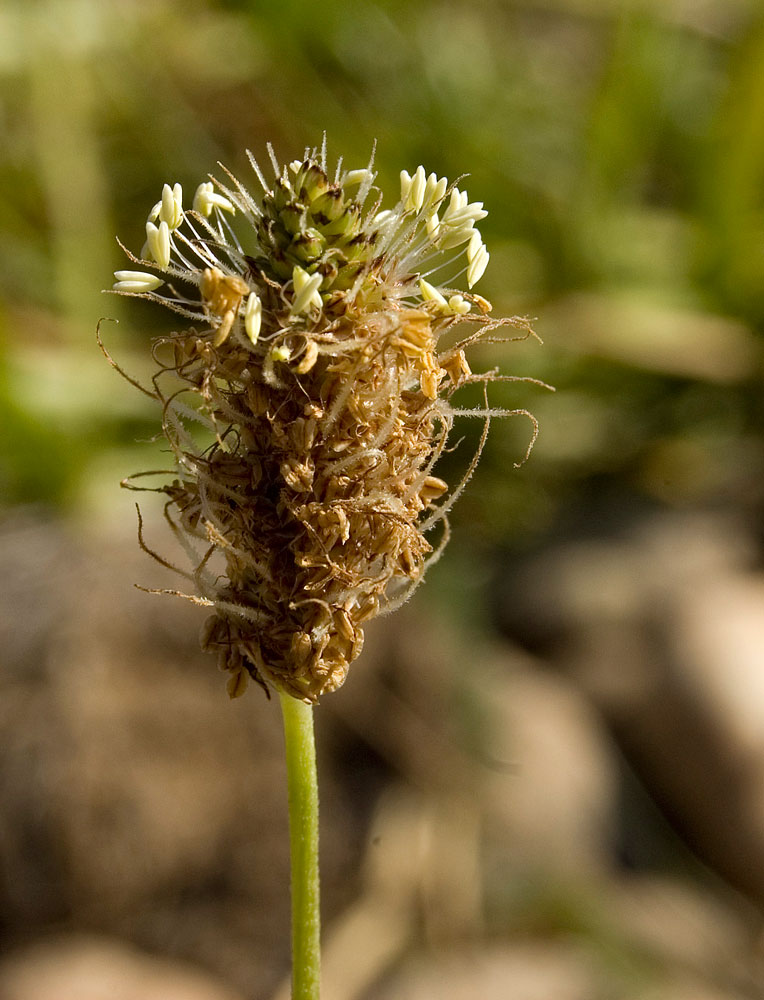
(302, 784)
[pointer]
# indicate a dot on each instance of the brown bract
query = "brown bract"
(314, 489)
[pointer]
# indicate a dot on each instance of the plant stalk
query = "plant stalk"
(302, 785)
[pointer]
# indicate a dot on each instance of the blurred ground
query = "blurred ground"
(481, 827)
(545, 777)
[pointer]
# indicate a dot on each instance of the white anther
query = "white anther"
(459, 212)
(135, 281)
(171, 206)
(415, 197)
(476, 242)
(158, 243)
(477, 266)
(449, 238)
(306, 287)
(432, 223)
(458, 305)
(357, 176)
(434, 191)
(295, 166)
(405, 186)
(381, 217)
(207, 198)
(280, 353)
(253, 315)
(468, 216)
(431, 294)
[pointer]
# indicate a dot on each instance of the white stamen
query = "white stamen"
(415, 196)
(477, 266)
(405, 186)
(280, 353)
(459, 212)
(475, 244)
(171, 210)
(458, 305)
(207, 198)
(135, 281)
(434, 191)
(431, 294)
(253, 315)
(357, 176)
(158, 243)
(449, 238)
(306, 287)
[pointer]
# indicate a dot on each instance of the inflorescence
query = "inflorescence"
(308, 400)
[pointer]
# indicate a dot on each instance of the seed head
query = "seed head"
(307, 400)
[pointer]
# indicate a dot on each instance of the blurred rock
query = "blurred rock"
(138, 800)
(683, 928)
(521, 972)
(550, 786)
(660, 623)
(141, 804)
(79, 968)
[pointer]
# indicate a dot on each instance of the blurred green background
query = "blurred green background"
(619, 148)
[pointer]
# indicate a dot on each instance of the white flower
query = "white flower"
(458, 305)
(318, 244)
(207, 198)
(137, 282)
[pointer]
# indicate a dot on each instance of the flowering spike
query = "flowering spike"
(313, 354)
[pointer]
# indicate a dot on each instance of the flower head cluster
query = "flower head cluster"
(309, 400)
